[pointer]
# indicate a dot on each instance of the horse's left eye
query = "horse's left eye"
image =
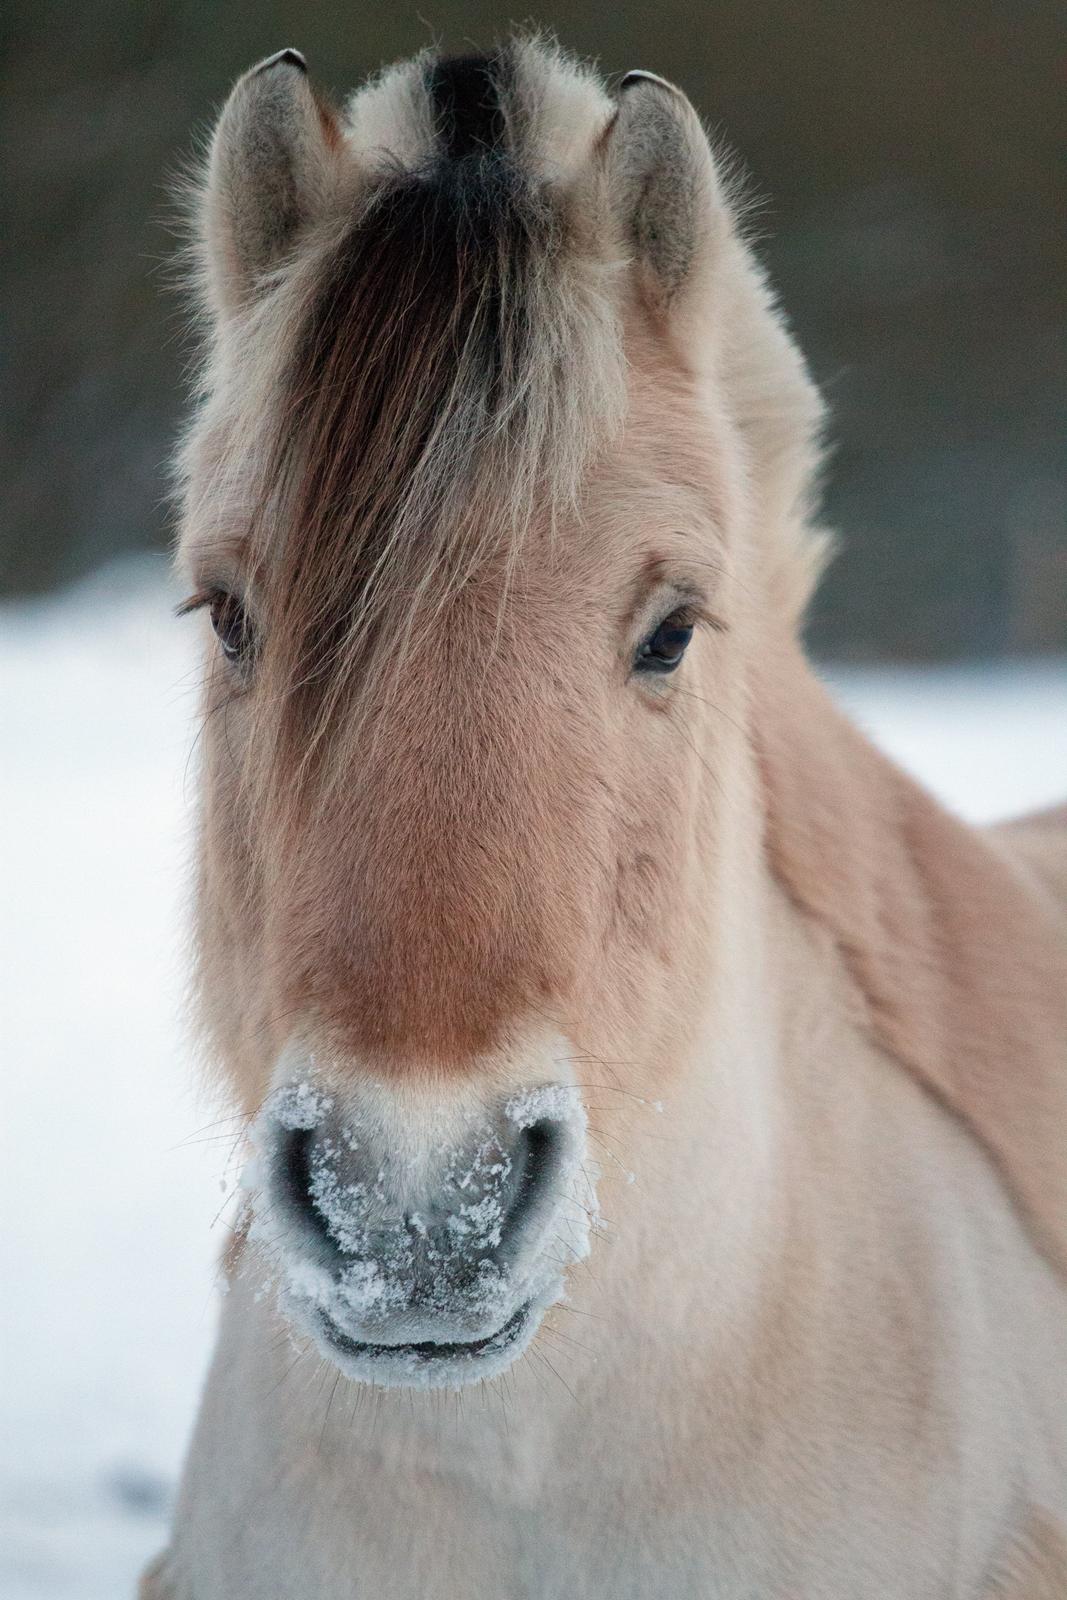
(230, 622)
(665, 646)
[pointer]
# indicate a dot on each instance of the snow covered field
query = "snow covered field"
(110, 1169)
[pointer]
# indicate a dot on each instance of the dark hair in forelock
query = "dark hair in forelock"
(428, 397)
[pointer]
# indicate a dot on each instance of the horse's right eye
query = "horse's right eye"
(232, 626)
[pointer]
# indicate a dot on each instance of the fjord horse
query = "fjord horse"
(657, 1177)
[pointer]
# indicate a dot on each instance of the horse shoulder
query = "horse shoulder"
(1034, 1565)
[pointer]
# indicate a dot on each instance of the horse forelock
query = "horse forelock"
(454, 366)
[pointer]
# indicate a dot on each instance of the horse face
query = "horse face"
(475, 706)
(494, 914)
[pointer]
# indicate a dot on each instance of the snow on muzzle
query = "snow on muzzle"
(418, 1246)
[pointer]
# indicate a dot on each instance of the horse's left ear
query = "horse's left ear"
(666, 194)
(711, 301)
(270, 172)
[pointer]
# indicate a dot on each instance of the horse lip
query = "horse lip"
(428, 1350)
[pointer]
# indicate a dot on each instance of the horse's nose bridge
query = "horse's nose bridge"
(436, 902)
(438, 944)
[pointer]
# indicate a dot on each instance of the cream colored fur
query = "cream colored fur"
(820, 1352)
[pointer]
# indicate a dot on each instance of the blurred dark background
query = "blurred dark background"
(911, 156)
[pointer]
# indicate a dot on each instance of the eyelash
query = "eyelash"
(195, 602)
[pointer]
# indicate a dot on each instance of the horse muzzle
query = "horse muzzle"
(420, 1243)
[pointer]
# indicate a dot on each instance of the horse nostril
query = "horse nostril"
(294, 1177)
(534, 1162)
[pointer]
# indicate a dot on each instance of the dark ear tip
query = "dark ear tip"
(291, 58)
(632, 79)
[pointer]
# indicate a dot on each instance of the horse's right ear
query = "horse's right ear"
(270, 171)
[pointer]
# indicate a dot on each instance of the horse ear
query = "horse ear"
(666, 194)
(701, 282)
(269, 174)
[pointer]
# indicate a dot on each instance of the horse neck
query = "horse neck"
(956, 962)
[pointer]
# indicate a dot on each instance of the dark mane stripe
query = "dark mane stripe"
(405, 388)
(466, 95)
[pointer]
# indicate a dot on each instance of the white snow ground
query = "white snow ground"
(109, 1168)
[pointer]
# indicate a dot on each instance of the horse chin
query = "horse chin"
(428, 1363)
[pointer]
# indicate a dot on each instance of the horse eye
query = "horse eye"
(232, 626)
(665, 646)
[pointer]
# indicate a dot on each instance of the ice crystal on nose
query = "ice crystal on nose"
(550, 1102)
(366, 1290)
(300, 1107)
(479, 1224)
